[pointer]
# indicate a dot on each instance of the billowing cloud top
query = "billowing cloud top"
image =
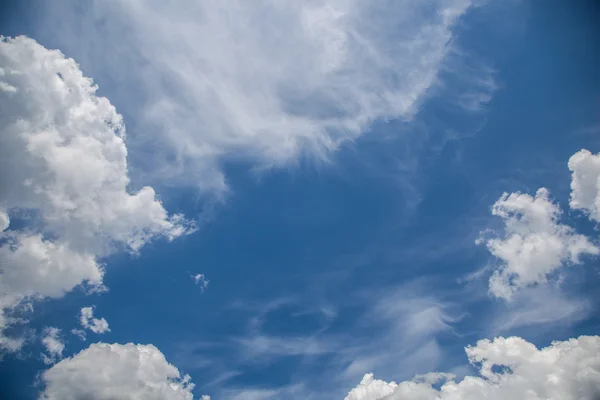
(566, 370)
(116, 372)
(63, 157)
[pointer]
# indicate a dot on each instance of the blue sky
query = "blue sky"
(347, 250)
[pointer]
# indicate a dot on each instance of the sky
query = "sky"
(279, 199)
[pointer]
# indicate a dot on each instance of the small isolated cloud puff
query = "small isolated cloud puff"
(53, 344)
(585, 183)
(510, 368)
(87, 320)
(115, 371)
(80, 333)
(265, 81)
(534, 243)
(63, 159)
(200, 279)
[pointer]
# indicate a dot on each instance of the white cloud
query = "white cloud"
(200, 279)
(534, 243)
(259, 346)
(568, 370)
(542, 306)
(409, 324)
(285, 392)
(80, 333)
(585, 183)
(4, 221)
(266, 82)
(115, 371)
(371, 389)
(87, 320)
(53, 344)
(63, 159)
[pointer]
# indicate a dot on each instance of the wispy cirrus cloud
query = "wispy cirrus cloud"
(267, 82)
(397, 323)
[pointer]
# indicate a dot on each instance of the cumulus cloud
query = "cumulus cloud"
(585, 183)
(265, 82)
(372, 389)
(534, 243)
(87, 320)
(115, 371)
(64, 164)
(53, 344)
(509, 368)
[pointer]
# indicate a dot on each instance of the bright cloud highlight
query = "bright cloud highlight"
(115, 371)
(509, 368)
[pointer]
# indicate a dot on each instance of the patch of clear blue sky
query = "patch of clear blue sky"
(404, 202)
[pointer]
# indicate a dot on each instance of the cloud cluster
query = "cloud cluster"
(534, 245)
(509, 368)
(65, 200)
(115, 371)
(96, 325)
(265, 82)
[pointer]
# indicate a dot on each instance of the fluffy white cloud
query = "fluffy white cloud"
(534, 243)
(371, 389)
(117, 372)
(64, 175)
(53, 344)
(87, 320)
(510, 368)
(263, 81)
(585, 183)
